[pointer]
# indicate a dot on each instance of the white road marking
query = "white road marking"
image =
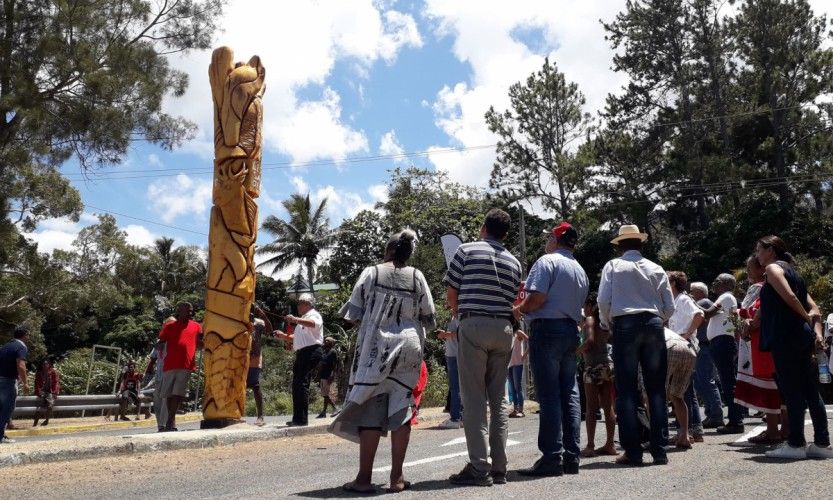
(759, 429)
(459, 440)
(437, 459)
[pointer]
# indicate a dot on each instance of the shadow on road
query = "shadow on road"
(338, 492)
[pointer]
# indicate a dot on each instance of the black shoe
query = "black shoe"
(730, 429)
(627, 461)
(498, 477)
(470, 477)
(543, 468)
(323, 414)
(712, 424)
(292, 423)
(661, 460)
(570, 467)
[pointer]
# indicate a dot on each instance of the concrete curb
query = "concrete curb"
(145, 443)
(104, 426)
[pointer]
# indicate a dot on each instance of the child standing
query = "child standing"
(598, 384)
(516, 374)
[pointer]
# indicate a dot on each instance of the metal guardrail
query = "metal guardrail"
(26, 405)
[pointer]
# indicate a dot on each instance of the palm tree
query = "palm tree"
(300, 239)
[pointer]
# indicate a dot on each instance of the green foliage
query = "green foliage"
(359, 243)
(75, 369)
(437, 387)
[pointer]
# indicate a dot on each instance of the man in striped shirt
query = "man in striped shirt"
(482, 283)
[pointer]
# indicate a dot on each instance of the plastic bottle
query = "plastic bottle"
(824, 369)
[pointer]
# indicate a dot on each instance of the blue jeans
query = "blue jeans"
(516, 386)
(724, 350)
(695, 420)
(639, 341)
(798, 382)
(455, 407)
(705, 385)
(8, 396)
(552, 352)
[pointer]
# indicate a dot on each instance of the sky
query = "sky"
(351, 84)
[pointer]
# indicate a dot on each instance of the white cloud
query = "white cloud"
(139, 236)
(486, 37)
(340, 204)
(378, 192)
(389, 146)
(300, 184)
(299, 44)
(154, 161)
(185, 195)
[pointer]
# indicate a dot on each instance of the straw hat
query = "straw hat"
(629, 232)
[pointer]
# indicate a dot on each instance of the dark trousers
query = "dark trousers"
(552, 351)
(724, 350)
(8, 398)
(798, 384)
(306, 362)
(639, 341)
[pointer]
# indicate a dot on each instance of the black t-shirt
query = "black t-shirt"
(328, 364)
(9, 354)
(702, 337)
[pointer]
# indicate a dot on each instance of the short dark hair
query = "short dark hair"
(20, 331)
(497, 223)
(678, 279)
(569, 239)
(630, 244)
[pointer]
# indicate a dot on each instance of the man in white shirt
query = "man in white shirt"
(634, 301)
(724, 347)
(307, 339)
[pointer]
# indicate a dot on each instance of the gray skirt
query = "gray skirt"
(373, 414)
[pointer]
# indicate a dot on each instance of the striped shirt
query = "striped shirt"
(486, 277)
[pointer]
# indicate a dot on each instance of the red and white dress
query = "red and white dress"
(756, 388)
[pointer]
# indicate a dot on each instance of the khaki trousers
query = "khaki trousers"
(483, 358)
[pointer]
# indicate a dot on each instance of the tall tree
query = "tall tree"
(538, 138)
(360, 243)
(299, 240)
(85, 79)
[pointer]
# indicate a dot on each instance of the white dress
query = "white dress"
(395, 308)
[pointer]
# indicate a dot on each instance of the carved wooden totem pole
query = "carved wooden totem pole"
(237, 89)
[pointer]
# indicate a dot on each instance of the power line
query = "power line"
(145, 220)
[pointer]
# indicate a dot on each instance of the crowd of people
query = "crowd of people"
(645, 339)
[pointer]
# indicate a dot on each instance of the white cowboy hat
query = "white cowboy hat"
(629, 232)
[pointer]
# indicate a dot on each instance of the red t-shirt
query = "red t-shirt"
(180, 345)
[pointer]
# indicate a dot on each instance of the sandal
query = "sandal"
(352, 488)
(406, 485)
(765, 439)
(588, 452)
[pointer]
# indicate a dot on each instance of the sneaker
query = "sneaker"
(814, 451)
(323, 414)
(570, 467)
(712, 424)
(543, 468)
(731, 429)
(470, 477)
(451, 424)
(787, 452)
(498, 477)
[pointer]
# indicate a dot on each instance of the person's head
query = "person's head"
(629, 244)
(131, 367)
(770, 249)
(21, 333)
(306, 303)
(45, 365)
(629, 238)
(699, 290)
(184, 311)
(495, 225)
(678, 281)
(590, 304)
(563, 236)
(400, 247)
(724, 282)
(329, 342)
(754, 269)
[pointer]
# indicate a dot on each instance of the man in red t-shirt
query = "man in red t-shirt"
(181, 337)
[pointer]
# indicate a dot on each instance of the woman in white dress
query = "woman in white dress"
(393, 307)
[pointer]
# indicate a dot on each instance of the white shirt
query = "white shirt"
(721, 323)
(685, 310)
(305, 336)
(633, 284)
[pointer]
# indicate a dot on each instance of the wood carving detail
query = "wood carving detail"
(237, 90)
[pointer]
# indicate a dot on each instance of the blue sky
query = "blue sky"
(350, 79)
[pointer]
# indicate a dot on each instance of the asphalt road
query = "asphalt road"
(316, 466)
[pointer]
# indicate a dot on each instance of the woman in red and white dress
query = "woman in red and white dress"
(756, 388)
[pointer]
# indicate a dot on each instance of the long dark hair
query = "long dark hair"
(778, 246)
(400, 247)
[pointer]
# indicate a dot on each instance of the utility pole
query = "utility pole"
(522, 236)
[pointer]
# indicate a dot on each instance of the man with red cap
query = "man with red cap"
(557, 288)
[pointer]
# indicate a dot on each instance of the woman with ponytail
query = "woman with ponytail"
(392, 306)
(791, 330)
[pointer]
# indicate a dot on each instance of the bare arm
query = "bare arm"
(21, 373)
(451, 295)
(532, 302)
(695, 324)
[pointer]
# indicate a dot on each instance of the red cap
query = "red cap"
(559, 230)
